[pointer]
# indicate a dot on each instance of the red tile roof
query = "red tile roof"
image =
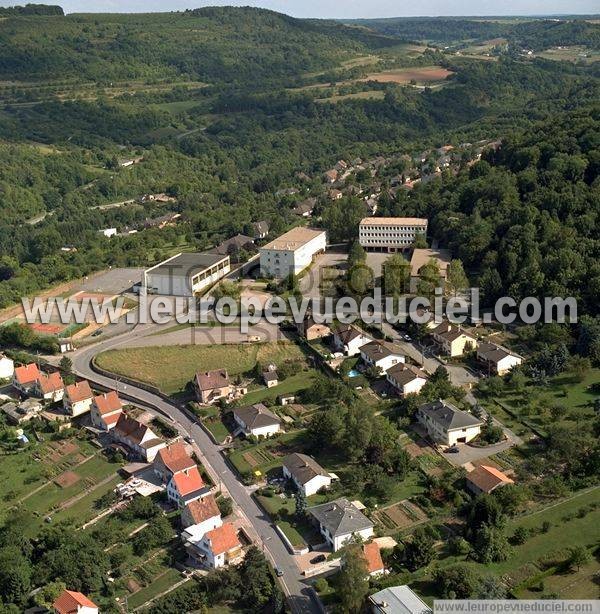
(188, 481)
(112, 419)
(175, 457)
(108, 403)
(223, 538)
(203, 509)
(69, 601)
(79, 391)
(488, 478)
(51, 382)
(27, 374)
(373, 557)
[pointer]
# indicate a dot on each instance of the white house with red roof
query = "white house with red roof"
(172, 459)
(50, 387)
(198, 517)
(372, 554)
(138, 437)
(186, 486)
(78, 398)
(218, 547)
(25, 377)
(72, 602)
(106, 409)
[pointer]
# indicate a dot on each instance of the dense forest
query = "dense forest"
(531, 33)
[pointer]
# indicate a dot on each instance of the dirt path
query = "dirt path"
(171, 588)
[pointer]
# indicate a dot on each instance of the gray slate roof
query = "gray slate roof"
(448, 416)
(340, 517)
(255, 416)
(303, 467)
(377, 350)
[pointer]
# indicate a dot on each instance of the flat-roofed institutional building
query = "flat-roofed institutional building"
(292, 252)
(185, 274)
(390, 234)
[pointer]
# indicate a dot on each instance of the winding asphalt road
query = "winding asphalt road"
(300, 595)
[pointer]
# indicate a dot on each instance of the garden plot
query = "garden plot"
(401, 516)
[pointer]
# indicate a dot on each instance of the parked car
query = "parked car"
(278, 572)
(452, 450)
(406, 338)
(97, 333)
(319, 559)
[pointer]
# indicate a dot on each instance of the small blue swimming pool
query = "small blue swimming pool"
(353, 373)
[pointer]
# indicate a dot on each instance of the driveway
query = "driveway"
(469, 454)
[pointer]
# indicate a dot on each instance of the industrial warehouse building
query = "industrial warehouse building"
(292, 252)
(185, 274)
(390, 234)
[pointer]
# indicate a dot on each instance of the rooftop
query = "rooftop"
(376, 350)
(223, 538)
(303, 467)
(340, 517)
(448, 416)
(393, 221)
(255, 416)
(188, 481)
(488, 478)
(494, 353)
(403, 373)
(132, 429)
(186, 265)
(372, 555)
(108, 403)
(399, 600)
(212, 379)
(27, 374)
(175, 457)
(79, 391)
(202, 509)
(69, 602)
(294, 238)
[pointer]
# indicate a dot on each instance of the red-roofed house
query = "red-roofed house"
(186, 486)
(72, 602)
(172, 459)
(50, 387)
(486, 479)
(78, 398)
(137, 436)
(198, 517)
(25, 377)
(372, 555)
(106, 409)
(218, 547)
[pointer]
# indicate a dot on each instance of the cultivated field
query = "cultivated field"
(421, 75)
(401, 516)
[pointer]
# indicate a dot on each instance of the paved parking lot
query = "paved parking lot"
(111, 282)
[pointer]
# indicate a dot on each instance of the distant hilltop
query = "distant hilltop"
(32, 9)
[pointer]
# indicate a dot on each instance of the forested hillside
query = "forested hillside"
(266, 102)
(216, 45)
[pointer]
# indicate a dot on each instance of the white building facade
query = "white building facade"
(390, 234)
(185, 274)
(292, 252)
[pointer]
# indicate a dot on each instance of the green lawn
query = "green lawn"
(170, 368)
(291, 533)
(292, 385)
(217, 428)
(267, 454)
(529, 409)
(156, 587)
